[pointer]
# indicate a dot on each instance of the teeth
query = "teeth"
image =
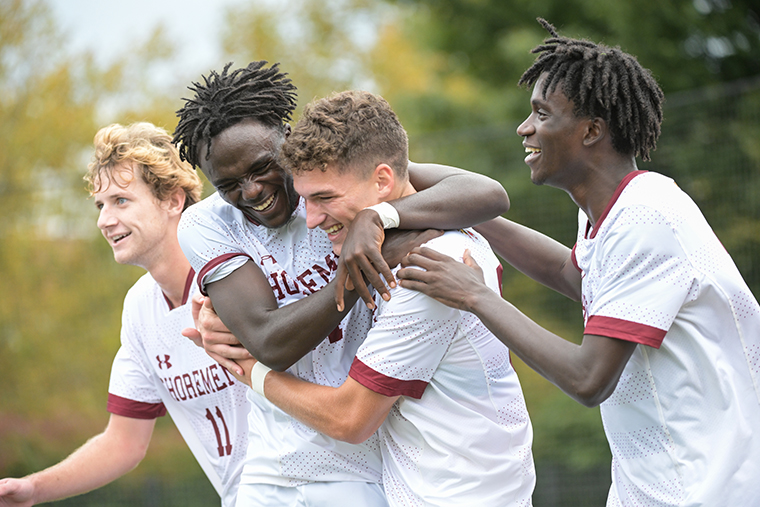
(264, 205)
(333, 229)
(119, 237)
(528, 149)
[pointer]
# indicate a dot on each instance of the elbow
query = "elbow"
(274, 360)
(499, 199)
(269, 351)
(352, 433)
(353, 426)
(592, 392)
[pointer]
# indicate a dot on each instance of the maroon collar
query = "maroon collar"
(185, 292)
(613, 200)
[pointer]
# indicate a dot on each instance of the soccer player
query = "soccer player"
(672, 332)
(258, 262)
(453, 426)
(141, 188)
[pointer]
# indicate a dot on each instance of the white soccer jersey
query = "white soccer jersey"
(157, 369)
(297, 261)
(460, 433)
(684, 420)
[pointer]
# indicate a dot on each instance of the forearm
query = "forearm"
(326, 409)
(580, 371)
(534, 254)
(449, 198)
(278, 336)
(103, 459)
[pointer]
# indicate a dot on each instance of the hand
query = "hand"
(214, 336)
(399, 243)
(360, 257)
(246, 365)
(16, 492)
(192, 332)
(453, 283)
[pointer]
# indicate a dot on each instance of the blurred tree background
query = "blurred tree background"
(450, 69)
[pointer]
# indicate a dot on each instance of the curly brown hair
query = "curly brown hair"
(354, 130)
(156, 159)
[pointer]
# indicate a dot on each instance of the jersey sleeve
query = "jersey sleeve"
(210, 244)
(410, 335)
(645, 278)
(132, 390)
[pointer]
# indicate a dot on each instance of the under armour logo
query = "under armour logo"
(165, 361)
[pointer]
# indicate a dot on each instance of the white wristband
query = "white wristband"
(388, 214)
(258, 374)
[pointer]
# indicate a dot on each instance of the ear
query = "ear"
(175, 204)
(596, 130)
(385, 180)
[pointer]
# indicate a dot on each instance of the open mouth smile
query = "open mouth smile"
(266, 204)
(116, 239)
(334, 229)
(532, 152)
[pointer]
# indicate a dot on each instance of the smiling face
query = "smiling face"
(333, 199)
(553, 137)
(134, 222)
(243, 168)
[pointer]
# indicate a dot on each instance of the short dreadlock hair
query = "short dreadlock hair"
(264, 94)
(602, 82)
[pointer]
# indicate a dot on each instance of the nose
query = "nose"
(525, 128)
(250, 189)
(106, 218)
(314, 214)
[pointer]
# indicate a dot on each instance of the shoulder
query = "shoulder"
(453, 243)
(145, 292)
(211, 209)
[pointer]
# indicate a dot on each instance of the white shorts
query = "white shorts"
(316, 494)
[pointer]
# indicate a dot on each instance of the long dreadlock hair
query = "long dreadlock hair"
(602, 82)
(223, 100)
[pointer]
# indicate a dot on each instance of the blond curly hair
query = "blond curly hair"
(151, 150)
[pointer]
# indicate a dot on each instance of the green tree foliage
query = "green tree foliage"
(705, 54)
(61, 289)
(707, 41)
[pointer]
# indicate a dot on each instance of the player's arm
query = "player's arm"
(276, 336)
(351, 412)
(538, 256)
(100, 460)
(587, 372)
(447, 198)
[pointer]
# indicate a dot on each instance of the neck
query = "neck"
(594, 191)
(402, 190)
(170, 272)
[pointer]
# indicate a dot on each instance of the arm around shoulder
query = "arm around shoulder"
(441, 202)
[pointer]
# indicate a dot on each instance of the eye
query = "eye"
(121, 200)
(226, 188)
(99, 205)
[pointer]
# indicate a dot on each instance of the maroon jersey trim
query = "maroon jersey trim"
(185, 292)
(625, 330)
(188, 284)
(618, 191)
(214, 263)
(134, 409)
(382, 384)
